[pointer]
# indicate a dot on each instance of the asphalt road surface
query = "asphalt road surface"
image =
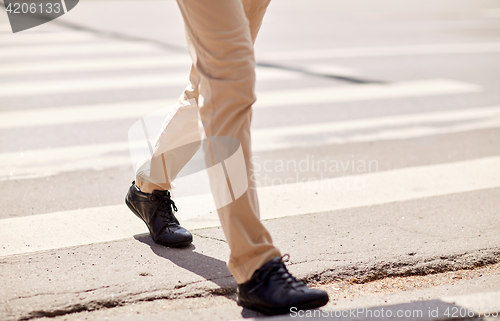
(376, 134)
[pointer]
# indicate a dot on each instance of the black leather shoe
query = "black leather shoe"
(155, 210)
(273, 290)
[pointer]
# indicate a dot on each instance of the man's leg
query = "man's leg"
(149, 198)
(220, 42)
(181, 127)
(185, 117)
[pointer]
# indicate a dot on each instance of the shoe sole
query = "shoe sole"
(304, 306)
(180, 244)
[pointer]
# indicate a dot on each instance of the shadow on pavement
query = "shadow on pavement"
(429, 310)
(211, 269)
(207, 267)
(247, 313)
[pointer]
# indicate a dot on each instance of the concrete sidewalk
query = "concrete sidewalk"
(422, 236)
(475, 306)
(471, 306)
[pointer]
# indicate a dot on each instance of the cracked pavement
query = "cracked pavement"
(353, 245)
(417, 252)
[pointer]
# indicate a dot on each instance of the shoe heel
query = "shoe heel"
(133, 209)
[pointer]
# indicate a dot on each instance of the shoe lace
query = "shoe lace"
(165, 206)
(278, 272)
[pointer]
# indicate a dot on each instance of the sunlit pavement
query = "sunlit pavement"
(376, 139)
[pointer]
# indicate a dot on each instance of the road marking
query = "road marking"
(120, 63)
(47, 38)
(93, 84)
(333, 53)
(5, 27)
(77, 50)
(80, 114)
(78, 227)
(330, 69)
(383, 51)
(491, 13)
(376, 129)
(45, 162)
(359, 92)
(75, 65)
(90, 84)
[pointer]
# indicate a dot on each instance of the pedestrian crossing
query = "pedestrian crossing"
(427, 87)
(70, 50)
(29, 39)
(110, 223)
(45, 162)
(5, 27)
(386, 51)
(28, 88)
(279, 98)
(81, 63)
(102, 64)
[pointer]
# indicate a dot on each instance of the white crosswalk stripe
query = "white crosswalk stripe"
(47, 38)
(102, 64)
(79, 227)
(80, 114)
(77, 50)
(410, 88)
(26, 88)
(377, 129)
(132, 63)
(308, 96)
(5, 27)
(384, 51)
(62, 48)
(44, 162)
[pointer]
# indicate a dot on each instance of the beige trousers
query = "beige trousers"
(220, 36)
